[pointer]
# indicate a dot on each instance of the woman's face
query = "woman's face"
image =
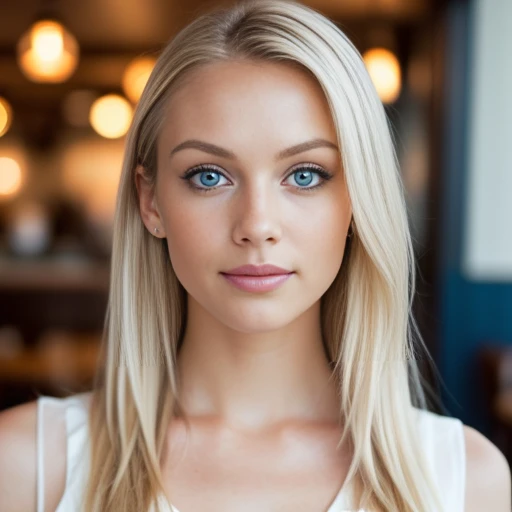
(255, 200)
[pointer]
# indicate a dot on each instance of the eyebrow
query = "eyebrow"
(225, 153)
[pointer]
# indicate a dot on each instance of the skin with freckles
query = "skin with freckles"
(254, 376)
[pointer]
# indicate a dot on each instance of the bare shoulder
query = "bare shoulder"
(18, 458)
(19, 454)
(488, 480)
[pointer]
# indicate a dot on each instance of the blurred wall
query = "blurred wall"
(476, 252)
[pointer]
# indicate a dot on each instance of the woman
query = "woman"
(258, 347)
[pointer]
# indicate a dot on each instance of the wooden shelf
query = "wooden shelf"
(71, 359)
(54, 274)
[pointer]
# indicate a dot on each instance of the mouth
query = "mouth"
(257, 283)
(258, 270)
(257, 278)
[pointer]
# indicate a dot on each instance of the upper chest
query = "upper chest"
(221, 470)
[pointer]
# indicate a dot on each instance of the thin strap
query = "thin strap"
(40, 447)
(40, 455)
(462, 452)
(40, 473)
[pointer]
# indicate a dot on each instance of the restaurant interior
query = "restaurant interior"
(71, 74)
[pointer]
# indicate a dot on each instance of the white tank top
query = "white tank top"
(442, 439)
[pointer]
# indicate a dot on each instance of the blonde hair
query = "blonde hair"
(365, 315)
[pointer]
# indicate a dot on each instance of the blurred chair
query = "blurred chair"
(495, 363)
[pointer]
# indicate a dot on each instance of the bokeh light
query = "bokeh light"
(5, 116)
(10, 176)
(47, 52)
(384, 70)
(111, 115)
(136, 76)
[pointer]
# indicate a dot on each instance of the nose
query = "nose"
(256, 216)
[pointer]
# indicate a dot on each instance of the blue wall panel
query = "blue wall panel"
(471, 313)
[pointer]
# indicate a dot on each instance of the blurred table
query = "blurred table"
(58, 358)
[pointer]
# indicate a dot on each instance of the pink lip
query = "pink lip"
(257, 270)
(262, 278)
(257, 283)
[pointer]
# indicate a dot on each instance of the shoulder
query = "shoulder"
(439, 432)
(18, 457)
(488, 480)
(21, 431)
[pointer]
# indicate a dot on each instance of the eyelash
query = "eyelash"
(210, 168)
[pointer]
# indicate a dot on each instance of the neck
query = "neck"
(256, 380)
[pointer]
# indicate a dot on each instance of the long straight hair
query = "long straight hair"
(368, 330)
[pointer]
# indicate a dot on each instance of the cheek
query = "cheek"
(191, 237)
(322, 236)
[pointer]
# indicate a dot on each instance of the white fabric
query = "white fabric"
(442, 439)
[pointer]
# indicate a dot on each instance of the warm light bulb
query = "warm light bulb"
(10, 176)
(47, 52)
(5, 116)
(384, 70)
(47, 41)
(136, 76)
(111, 116)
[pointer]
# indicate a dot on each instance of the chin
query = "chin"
(252, 321)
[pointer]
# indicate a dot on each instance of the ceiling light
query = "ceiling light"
(5, 116)
(384, 70)
(10, 177)
(47, 52)
(136, 76)
(111, 115)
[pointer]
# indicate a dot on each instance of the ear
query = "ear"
(147, 204)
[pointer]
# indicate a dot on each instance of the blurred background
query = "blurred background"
(70, 75)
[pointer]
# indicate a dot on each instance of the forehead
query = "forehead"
(240, 99)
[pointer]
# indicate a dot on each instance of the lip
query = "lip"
(257, 278)
(257, 270)
(257, 283)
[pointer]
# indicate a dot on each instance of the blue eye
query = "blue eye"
(304, 176)
(209, 177)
